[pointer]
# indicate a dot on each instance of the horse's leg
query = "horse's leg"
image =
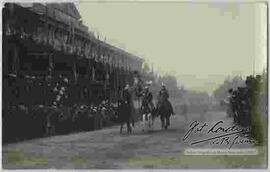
(166, 124)
(149, 121)
(167, 118)
(121, 128)
(146, 121)
(162, 121)
(128, 126)
(53, 130)
(143, 122)
(132, 121)
(152, 122)
(132, 117)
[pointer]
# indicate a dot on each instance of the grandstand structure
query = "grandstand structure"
(43, 42)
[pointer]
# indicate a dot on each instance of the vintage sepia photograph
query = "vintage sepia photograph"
(124, 84)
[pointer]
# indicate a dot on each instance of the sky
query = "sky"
(199, 43)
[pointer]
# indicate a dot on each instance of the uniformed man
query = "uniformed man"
(163, 93)
(127, 101)
(164, 96)
(147, 99)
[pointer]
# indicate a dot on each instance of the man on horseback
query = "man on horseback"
(164, 97)
(164, 92)
(147, 101)
(147, 108)
(164, 107)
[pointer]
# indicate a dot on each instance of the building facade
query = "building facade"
(44, 43)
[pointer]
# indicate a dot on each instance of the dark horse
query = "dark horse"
(165, 110)
(124, 115)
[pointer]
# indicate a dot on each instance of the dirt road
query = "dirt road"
(107, 149)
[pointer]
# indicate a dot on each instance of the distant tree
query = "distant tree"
(221, 92)
(169, 80)
(171, 84)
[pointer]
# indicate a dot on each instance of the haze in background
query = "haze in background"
(200, 43)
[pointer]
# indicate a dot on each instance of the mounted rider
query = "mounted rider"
(163, 93)
(163, 96)
(147, 100)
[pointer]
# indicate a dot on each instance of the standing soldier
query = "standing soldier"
(128, 102)
(125, 109)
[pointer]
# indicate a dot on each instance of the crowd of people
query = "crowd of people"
(25, 122)
(25, 118)
(243, 100)
(248, 105)
(60, 114)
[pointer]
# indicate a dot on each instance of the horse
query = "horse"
(164, 110)
(124, 115)
(148, 116)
